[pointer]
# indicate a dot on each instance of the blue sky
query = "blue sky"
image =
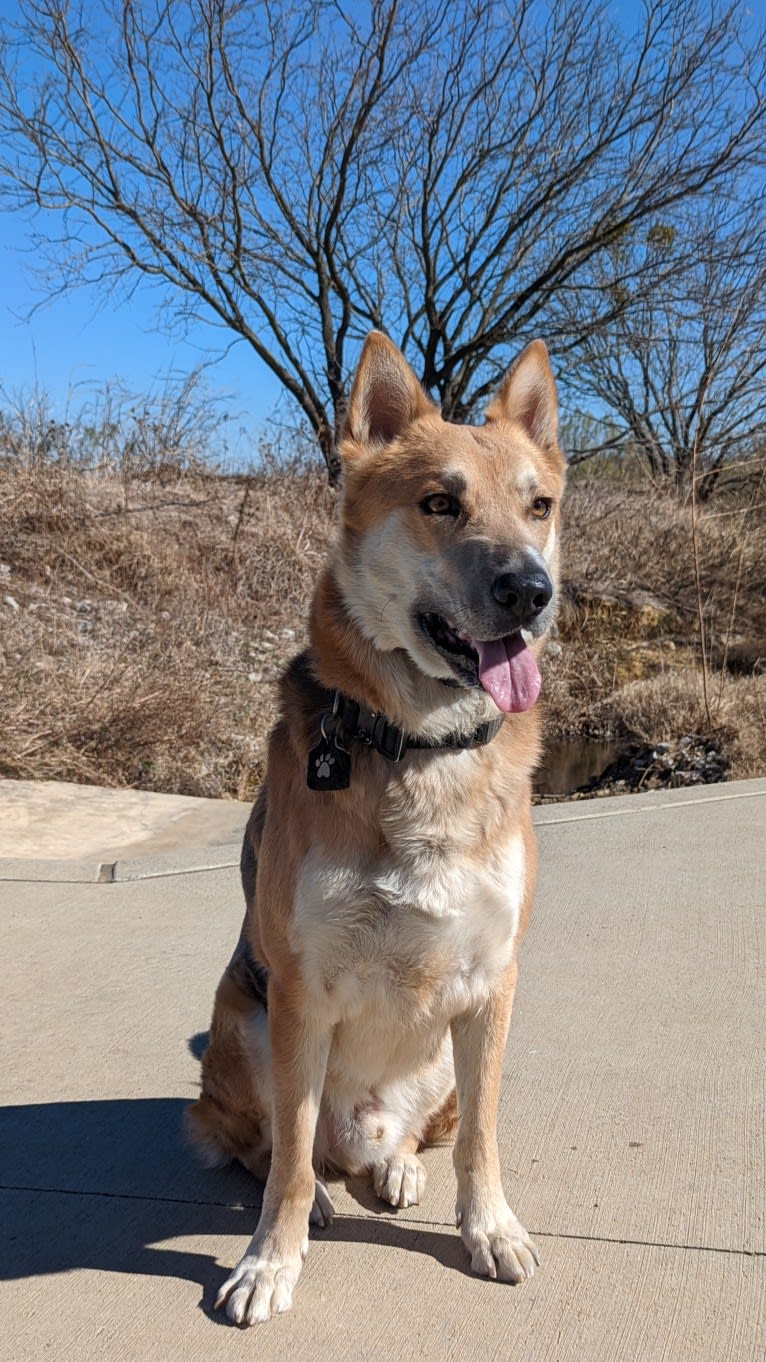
(72, 345)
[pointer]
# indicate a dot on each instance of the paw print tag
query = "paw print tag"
(329, 764)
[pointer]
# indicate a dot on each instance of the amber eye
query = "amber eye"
(541, 507)
(440, 503)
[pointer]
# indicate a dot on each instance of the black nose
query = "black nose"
(525, 593)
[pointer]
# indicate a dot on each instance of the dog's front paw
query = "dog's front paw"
(260, 1286)
(498, 1243)
(400, 1180)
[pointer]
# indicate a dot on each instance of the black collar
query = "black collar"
(347, 721)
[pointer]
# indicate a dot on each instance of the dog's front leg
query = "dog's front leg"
(498, 1244)
(262, 1283)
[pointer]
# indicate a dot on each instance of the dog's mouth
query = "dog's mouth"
(503, 667)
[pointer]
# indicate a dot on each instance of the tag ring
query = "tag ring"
(332, 737)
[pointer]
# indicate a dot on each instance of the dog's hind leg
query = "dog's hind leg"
(323, 1210)
(400, 1178)
(232, 1118)
(443, 1123)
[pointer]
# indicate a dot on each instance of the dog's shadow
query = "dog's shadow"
(110, 1185)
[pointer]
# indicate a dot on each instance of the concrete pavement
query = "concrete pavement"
(632, 1122)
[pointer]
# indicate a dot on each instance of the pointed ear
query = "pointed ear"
(527, 395)
(385, 395)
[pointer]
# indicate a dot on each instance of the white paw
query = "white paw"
(322, 1211)
(260, 1286)
(498, 1244)
(400, 1180)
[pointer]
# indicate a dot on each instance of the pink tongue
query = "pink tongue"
(508, 672)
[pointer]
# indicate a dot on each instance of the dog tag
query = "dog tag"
(329, 766)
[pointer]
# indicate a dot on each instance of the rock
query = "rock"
(12, 604)
(652, 614)
(692, 760)
(747, 658)
(646, 614)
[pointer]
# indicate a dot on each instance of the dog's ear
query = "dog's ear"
(527, 395)
(385, 395)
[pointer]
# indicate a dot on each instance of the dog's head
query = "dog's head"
(449, 546)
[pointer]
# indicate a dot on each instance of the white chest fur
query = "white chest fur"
(411, 938)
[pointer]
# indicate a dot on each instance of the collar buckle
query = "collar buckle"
(389, 740)
(486, 732)
(372, 729)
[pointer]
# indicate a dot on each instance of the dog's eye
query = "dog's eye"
(541, 507)
(439, 503)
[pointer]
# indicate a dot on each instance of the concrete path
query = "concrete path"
(632, 1124)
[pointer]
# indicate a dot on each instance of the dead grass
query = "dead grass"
(141, 635)
(140, 648)
(630, 662)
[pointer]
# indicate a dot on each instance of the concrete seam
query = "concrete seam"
(645, 808)
(398, 1220)
(648, 1243)
(170, 874)
(107, 873)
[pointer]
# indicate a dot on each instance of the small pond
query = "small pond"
(567, 766)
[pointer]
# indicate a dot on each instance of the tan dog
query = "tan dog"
(389, 863)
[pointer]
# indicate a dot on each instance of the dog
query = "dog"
(389, 861)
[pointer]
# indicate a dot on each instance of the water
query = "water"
(567, 766)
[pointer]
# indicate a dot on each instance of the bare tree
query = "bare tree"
(300, 172)
(681, 370)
